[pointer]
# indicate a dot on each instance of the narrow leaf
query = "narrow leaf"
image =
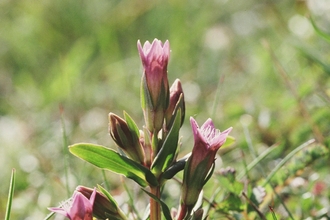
(109, 159)
(175, 168)
(256, 161)
(132, 125)
(321, 33)
(10, 194)
(108, 195)
(167, 153)
(288, 157)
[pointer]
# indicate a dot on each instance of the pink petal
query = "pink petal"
(207, 123)
(220, 139)
(59, 211)
(198, 136)
(166, 49)
(194, 126)
(146, 47)
(92, 198)
(78, 208)
(141, 53)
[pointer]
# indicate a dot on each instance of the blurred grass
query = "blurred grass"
(82, 55)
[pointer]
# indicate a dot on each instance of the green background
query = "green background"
(79, 59)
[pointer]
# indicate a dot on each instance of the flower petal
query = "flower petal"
(92, 198)
(220, 138)
(207, 123)
(60, 211)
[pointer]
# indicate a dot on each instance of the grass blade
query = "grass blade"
(65, 152)
(321, 33)
(286, 159)
(256, 161)
(273, 213)
(10, 194)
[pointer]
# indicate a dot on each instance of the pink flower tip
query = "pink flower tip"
(78, 207)
(208, 134)
(156, 51)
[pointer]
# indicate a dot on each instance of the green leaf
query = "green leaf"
(108, 195)
(168, 151)
(165, 209)
(229, 141)
(175, 168)
(109, 159)
(132, 126)
(10, 194)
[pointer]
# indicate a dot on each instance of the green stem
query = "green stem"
(155, 211)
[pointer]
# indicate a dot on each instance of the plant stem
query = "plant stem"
(182, 212)
(155, 212)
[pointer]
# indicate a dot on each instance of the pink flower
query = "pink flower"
(78, 207)
(155, 88)
(154, 58)
(207, 141)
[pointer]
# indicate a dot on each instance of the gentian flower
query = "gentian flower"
(207, 141)
(78, 207)
(155, 88)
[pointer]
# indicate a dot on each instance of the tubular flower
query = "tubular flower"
(155, 88)
(207, 141)
(78, 207)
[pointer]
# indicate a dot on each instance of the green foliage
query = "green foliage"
(169, 149)
(106, 158)
(304, 158)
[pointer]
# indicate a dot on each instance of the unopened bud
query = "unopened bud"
(176, 102)
(125, 138)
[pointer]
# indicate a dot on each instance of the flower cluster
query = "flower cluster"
(149, 155)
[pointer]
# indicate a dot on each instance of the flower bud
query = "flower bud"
(125, 138)
(103, 208)
(78, 207)
(207, 141)
(155, 88)
(176, 102)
